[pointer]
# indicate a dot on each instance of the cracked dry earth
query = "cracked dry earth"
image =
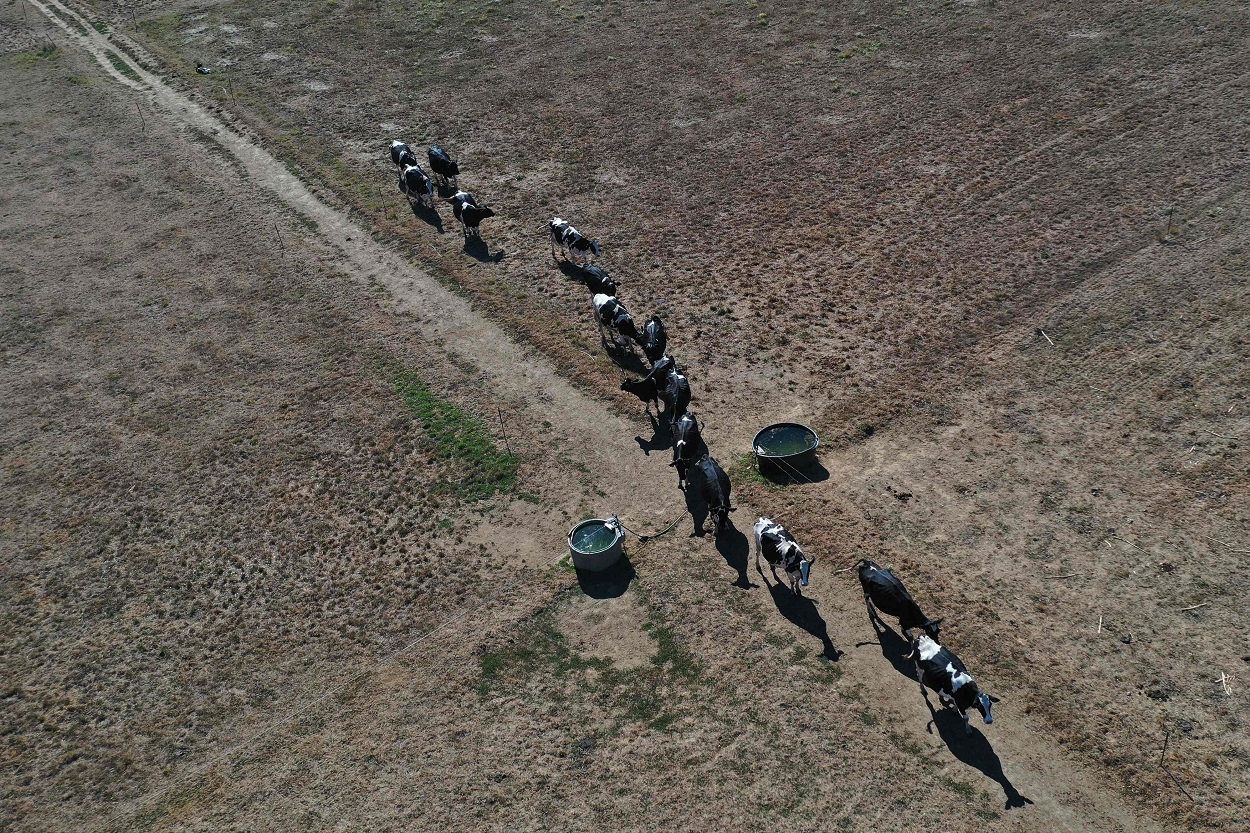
(237, 595)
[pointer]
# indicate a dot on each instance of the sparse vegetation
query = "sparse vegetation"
(460, 441)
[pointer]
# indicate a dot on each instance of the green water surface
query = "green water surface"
(784, 440)
(593, 538)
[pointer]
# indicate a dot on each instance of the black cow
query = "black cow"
(612, 315)
(779, 547)
(417, 186)
(650, 387)
(687, 443)
(676, 395)
(469, 213)
(653, 340)
(883, 591)
(715, 487)
(571, 241)
(444, 167)
(598, 281)
(938, 668)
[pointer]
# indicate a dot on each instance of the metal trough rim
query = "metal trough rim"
(620, 533)
(815, 444)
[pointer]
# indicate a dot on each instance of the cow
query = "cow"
(611, 314)
(779, 547)
(401, 154)
(571, 241)
(687, 443)
(676, 395)
(444, 167)
(417, 186)
(938, 668)
(653, 339)
(469, 213)
(649, 387)
(715, 487)
(598, 281)
(884, 592)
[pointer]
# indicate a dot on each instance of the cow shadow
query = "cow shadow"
(610, 583)
(428, 215)
(894, 648)
(786, 474)
(975, 751)
(801, 611)
(625, 358)
(446, 191)
(733, 546)
(661, 436)
(571, 271)
(476, 248)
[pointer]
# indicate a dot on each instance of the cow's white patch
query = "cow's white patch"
(959, 679)
(927, 647)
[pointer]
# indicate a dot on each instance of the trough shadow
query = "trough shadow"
(476, 248)
(427, 215)
(975, 751)
(811, 473)
(610, 583)
(801, 611)
(735, 548)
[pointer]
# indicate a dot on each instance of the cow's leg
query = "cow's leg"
(967, 725)
(920, 679)
(872, 612)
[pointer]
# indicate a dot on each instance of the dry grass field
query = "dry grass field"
(282, 494)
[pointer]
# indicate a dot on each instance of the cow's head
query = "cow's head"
(984, 705)
(798, 565)
(932, 628)
(486, 211)
(720, 516)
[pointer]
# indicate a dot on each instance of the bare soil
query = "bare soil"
(995, 255)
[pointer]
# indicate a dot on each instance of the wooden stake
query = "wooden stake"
(1099, 625)
(504, 431)
(1195, 607)
(1069, 575)
(1043, 332)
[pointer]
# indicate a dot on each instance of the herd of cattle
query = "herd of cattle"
(937, 667)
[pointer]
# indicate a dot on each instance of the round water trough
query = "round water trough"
(785, 448)
(596, 544)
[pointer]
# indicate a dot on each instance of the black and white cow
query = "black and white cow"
(654, 339)
(612, 315)
(571, 241)
(417, 187)
(598, 281)
(676, 395)
(469, 213)
(444, 167)
(687, 443)
(779, 547)
(938, 668)
(650, 387)
(402, 155)
(884, 592)
(715, 487)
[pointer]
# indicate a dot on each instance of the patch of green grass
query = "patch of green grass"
(121, 66)
(965, 791)
(460, 440)
(538, 647)
(988, 815)
(744, 469)
(100, 26)
(27, 60)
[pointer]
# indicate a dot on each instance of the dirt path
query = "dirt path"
(1064, 796)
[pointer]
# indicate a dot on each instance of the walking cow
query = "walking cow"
(469, 213)
(715, 488)
(571, 241)
(938, 668)
(687, 443)
(883, 591)
(779, 547)
(444, 167)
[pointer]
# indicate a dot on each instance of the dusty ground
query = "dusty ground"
(864, 218)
